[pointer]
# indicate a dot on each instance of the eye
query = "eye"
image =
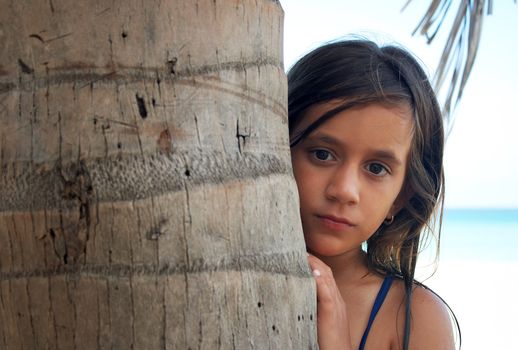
(322, 154)
(377, 169)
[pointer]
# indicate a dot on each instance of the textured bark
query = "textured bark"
(146, 196)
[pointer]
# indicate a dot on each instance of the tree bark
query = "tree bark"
(146, 193)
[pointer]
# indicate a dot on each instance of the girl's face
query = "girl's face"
(349, 173)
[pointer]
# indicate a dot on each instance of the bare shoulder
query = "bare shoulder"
(432, 326)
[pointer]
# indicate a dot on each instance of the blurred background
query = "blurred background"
(478, 264)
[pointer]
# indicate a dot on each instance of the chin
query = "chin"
(326, 250)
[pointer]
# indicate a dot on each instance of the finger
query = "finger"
(317, 264)
(327, 291)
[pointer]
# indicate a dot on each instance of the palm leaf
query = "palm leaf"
(460, 49)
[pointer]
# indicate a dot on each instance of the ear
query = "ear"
(403, 197)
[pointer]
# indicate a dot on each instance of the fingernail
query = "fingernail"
(316, 272)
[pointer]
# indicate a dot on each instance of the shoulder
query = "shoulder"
(432, 326)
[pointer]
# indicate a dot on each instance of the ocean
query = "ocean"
(477, 275)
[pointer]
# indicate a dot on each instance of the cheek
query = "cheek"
(304, 180)
(302, 187)
(298, 169)
(379, 202)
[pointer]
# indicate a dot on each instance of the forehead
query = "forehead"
(402, 111)
(371, 126)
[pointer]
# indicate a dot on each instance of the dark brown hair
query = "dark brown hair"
(359, 72)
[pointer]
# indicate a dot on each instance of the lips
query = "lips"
(335, 223)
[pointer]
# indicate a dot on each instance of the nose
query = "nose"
(344, 185)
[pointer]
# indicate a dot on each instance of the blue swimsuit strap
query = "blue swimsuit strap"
(385, 287)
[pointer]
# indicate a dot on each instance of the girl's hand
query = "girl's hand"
(332, 322)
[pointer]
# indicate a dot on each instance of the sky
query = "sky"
(481, 155)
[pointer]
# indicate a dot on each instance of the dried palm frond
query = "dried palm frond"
(461, 46)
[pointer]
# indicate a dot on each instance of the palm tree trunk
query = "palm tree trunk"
(146, 196)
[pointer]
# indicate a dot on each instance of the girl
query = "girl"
(367, 143)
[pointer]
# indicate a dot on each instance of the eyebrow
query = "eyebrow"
(387, 155)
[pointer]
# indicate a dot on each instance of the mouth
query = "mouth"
(335, 223)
